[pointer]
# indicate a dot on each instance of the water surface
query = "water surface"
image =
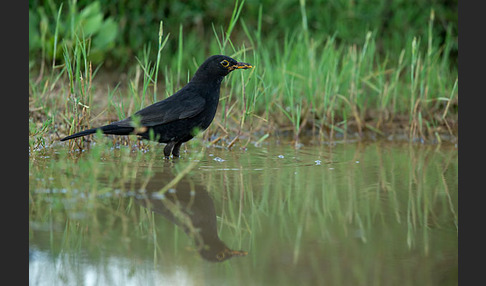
(375, 213)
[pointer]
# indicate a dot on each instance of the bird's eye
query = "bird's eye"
(225, 63)
(220, 256)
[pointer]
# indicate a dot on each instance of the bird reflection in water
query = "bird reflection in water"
(193, 211)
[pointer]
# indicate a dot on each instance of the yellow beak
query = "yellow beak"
(242, 66)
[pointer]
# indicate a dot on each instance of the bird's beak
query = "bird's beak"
(241, 66)
(238, 253)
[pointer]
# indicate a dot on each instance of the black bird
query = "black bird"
(178, 118)
(198, 207)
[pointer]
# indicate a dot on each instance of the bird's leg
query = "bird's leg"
(175, 151)
(168, 149)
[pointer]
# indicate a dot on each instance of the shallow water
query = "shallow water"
(376, 213)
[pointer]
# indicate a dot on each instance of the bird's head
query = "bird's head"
(211, 248)
(219, 66)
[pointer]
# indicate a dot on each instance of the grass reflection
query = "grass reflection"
(377, 213)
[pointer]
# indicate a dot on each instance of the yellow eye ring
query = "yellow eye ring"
(220, 256)
(224, 63)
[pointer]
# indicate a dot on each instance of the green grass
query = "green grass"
(137, 23)
(327, 79)
(304, 83)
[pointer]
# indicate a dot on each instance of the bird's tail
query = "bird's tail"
(107, 129)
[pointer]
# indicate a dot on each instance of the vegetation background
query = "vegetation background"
(328, 69)
(325, 71)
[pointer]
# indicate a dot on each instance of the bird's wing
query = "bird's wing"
(178, 106)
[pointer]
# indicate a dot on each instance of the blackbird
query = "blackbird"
(178, 118)
(195, 205)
